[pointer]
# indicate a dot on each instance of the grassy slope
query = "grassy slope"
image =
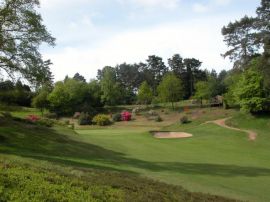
(41, 164)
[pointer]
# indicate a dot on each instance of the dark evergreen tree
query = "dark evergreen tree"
(157, 69)
(79, 77)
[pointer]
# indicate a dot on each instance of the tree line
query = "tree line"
(246, 86)
(143, 83)
(120, 84)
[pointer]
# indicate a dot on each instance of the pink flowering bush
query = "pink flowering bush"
(126, 116)
(32, 118)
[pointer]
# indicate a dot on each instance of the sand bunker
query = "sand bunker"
(171, 135)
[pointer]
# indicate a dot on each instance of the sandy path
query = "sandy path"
(221, 122)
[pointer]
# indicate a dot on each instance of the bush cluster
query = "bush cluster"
(158, 119)
(45, 122)
(101, 120)
(50, 115)
(153, 116)
(184, 120)
(84, 119)
(117, 117)
(6, 115)
(126, 116)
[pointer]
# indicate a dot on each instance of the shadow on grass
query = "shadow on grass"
(50, 145)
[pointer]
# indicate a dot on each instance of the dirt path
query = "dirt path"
(221, 122)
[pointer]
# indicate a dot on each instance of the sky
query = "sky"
(91, 34)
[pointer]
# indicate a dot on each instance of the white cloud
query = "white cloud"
(169, 4)
(48, 4)
(210, 5)
(222, 2)
(200, 8)
(190, 39)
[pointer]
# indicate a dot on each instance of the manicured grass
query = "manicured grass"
(215, 160)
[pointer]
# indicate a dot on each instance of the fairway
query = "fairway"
(215, 160)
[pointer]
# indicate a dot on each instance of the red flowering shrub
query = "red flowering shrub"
(32, 118)
(126, 116)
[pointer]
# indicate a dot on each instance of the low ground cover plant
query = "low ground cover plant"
(19, 182)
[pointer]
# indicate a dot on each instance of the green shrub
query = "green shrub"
(101, 120)
(117, 117)
(158, 119)
(71, 126)
(45, 122)
(7, 115)
(50, 115)
(84, 119)
(184, 120)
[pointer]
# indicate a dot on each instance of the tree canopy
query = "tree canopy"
(111, 90)
(170, 89)
(145, 94)
(22, 32)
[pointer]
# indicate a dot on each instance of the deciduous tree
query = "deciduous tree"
(22, 32)
(145, 94)
(170, 89)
